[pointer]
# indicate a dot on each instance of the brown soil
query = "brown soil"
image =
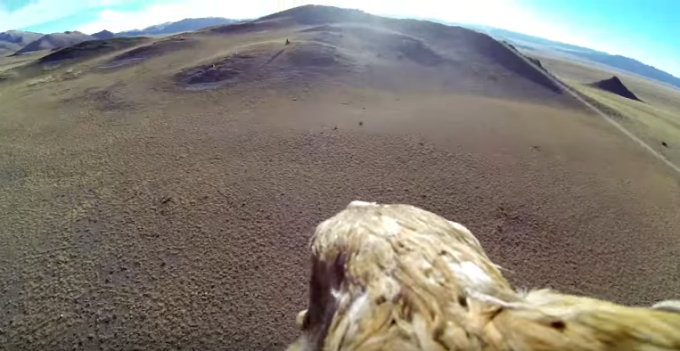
(272, 64)
(138, 215)
(615, 86)
(146, 52)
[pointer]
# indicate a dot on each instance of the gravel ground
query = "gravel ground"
(184, 228)
(139, 215)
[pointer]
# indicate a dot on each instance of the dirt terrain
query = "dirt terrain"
(167, 203)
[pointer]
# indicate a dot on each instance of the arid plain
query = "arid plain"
(161, 193)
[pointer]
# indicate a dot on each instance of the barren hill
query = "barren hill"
(614, 85)
(374, 51)
(318, 43)
(55, 41)
(185, 25)
(105, 34)
(91, 48)
(14, 40)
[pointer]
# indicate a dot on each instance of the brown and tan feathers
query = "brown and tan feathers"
(397, 277)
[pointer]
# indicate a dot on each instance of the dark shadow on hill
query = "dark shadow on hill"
(318, 14)
(268, 64)
(146, 52)
(69, 56)
(91, 49)
(381, 43)
(509, 59)
(535, 61)
(340, 50)
(55, 41)
(247, 27)
(388, 48)
(630, 65)
(615, 86)
(453, 44)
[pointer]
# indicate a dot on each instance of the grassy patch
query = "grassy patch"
(659, 126)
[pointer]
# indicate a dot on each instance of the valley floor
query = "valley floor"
(162, 196)
(165, 220)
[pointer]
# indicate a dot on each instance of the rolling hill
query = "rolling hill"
(105, 34)
(55, 41)
(185, 25)
(15, 40)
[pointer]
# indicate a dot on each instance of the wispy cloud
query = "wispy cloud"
(168, 11)
(41, 11)
(164, 11)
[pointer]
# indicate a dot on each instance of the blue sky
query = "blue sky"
(646, 30)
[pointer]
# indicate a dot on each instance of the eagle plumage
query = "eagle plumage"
(397, 277)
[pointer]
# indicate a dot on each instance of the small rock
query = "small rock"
(361, 123)
(664, 144)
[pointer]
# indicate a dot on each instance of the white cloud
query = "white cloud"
(117, 21)
(43, 11)
(453, 10)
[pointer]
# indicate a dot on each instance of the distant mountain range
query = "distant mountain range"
(55, 40)
(105, 34)
(14, 40)
(185, 25)
(622, 63)
(21, 42)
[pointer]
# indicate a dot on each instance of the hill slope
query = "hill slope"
(19, 37)
(105, 34)
(55, 41)
(376, 51)
(91, 48)
(14, 40)
(185, 25)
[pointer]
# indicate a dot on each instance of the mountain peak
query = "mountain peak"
(185, 25)
(614, 85)
(105, 34)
